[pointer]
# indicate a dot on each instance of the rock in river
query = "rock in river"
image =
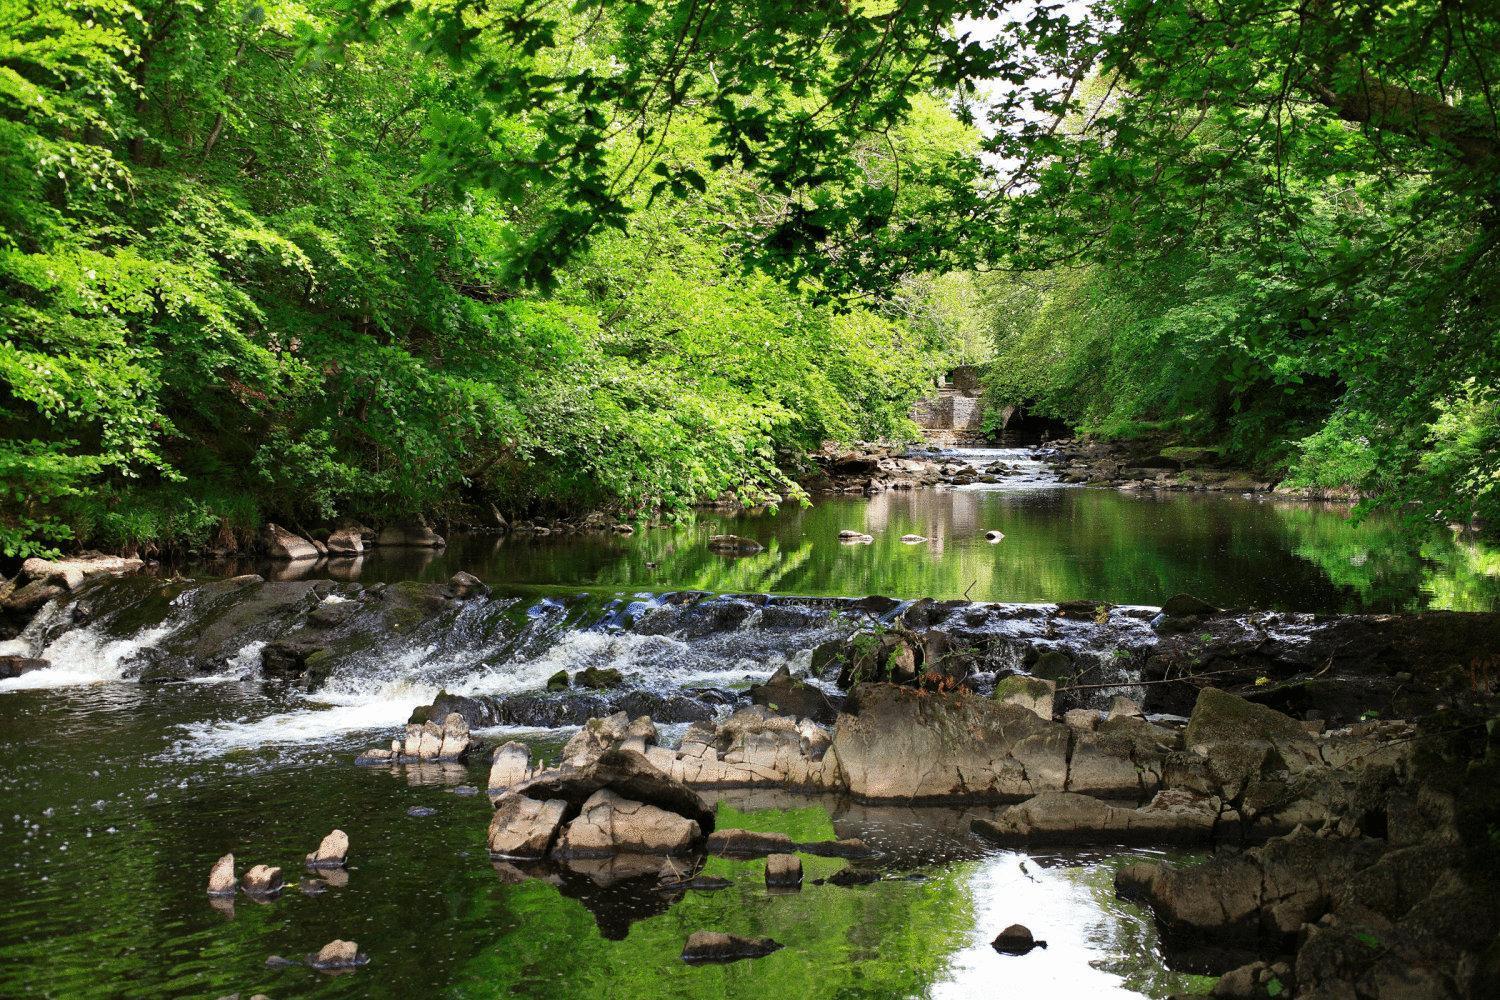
(1016, 940)
(262, 880)
(524, 827)
(734, 544)
(337, 954)
(609, 823)
(716, 946)
(221, 879)
(332, 852)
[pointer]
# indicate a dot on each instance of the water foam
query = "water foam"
(88, 656)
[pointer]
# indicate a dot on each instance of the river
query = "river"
(117, 795)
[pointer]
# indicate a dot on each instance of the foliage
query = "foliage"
(248, 271)
(1272, 229)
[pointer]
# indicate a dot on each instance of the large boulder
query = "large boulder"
(285, 545)
(1069, 818)
(1120, 757)
(901, 743)
(785, 695)
(1242, 741)
(630, 776)
(525, 827)
(346, 543)
(609, 823)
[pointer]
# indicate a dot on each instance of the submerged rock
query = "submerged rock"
(1069, 818)
(598, 678)
(716, 946)
(415, 536)
(337, 954)
(748, 844)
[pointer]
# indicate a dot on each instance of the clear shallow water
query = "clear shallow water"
(105, 892)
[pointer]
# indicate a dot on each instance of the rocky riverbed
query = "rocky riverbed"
(1323, 785)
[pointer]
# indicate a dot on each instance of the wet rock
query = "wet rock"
(1016, 940)
(332, 852)
(715, 946)
(913, 539)
(783, 871)
(701, 883)
(1054, 818)
(524, 827)
(337, 954)
(853, 876)
(420, 812)
(29, 598)
(262, 880)
(558, 681)
(855, 538)
(17, 666)
(599, 678)
(412, 536)
(994, 536)
(1031, 693)
(286, 546)
(786, 695)
(609, 824)
(221, 880)
(734, 843)
(1186, 606)
(277, 962)
(1243, 741)
(907, 744)
(1121, 707)
(734, 544)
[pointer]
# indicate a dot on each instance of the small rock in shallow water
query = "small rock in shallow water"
(332, 852)
(850, 848)
(464, 790)
(716, 946)
(337, 954)
(277, 962)
(263, 880)
(913, 539)
(420, 811)
(312, 886)
(221, 877)
(1016, 940)
(993, 536)
(853, 876)
(703, 883)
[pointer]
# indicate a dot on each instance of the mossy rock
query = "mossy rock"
(598, 678)
(1053, 665)
(558, 681)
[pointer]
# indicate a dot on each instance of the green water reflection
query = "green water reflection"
(1060, 544)
(105, 893)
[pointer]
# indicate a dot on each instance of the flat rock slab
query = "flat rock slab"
(748, 843)
(715, 946)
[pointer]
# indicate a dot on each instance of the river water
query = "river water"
(116, 796)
